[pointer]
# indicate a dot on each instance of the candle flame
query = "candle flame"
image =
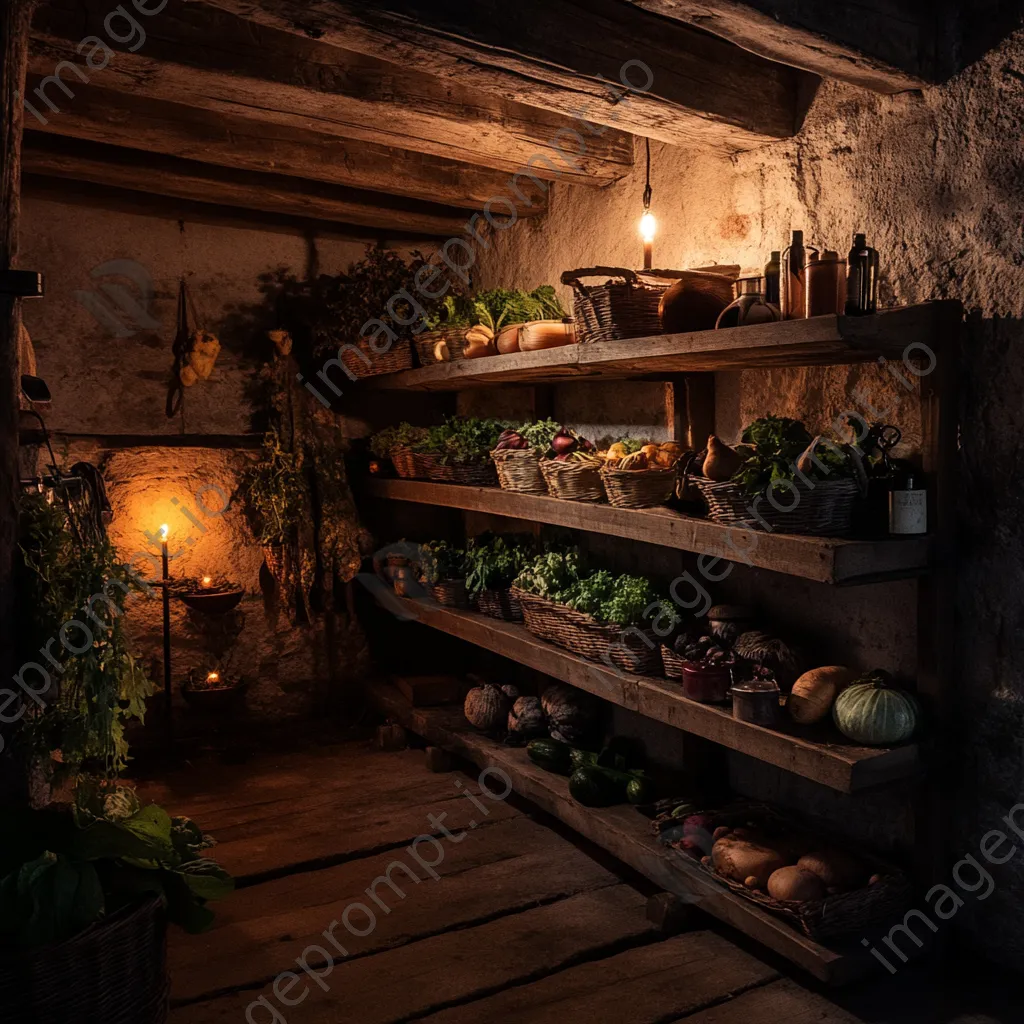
(207, 581)
(648, 227)
(213, 677)
(164, 530)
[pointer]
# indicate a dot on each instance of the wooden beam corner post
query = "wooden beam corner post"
(15, 21)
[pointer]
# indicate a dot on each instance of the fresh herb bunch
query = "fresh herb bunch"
(454, 311)
(462, 442)
(493, 562)
(611, 599)
(63, 578)
(404, 435)
(631, 445)
(61, 872)
(538, 434)
(274, 492)
(499, 307)
(551, 573)
(440, 562)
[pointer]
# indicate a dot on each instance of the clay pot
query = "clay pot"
(695, 302)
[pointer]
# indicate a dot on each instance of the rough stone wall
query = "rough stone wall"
(936, 179)
(108, 374)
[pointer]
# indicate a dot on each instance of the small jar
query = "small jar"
(708, 684)
(756, 701)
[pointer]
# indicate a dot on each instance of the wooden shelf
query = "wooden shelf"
(818, 755)
(820, 341)
(625, 834)
(822, 559)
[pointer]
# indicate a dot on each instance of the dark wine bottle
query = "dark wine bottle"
(862, 278)
(772, 276)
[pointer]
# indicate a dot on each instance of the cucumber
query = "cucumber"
(551, 755)
(595, 787)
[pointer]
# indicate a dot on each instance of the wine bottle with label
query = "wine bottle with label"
(908, 504)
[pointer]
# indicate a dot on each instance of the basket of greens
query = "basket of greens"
(597, 615)
(445, 338)
(810, 485)
(394, 444)
(517, 456)
(458, 451)
(492, 563)
(443, 572)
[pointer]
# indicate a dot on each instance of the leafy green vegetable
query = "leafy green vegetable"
(774, 445)
(499, 307)
(493, 562)
(404, 435)
(550, 573)
(462, 441)
(440, 561)
(538, 434)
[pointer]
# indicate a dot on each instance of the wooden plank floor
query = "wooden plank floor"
(495, 916)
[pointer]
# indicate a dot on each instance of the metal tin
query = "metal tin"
(756, 701)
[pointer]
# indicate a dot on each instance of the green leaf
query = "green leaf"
(207, 879)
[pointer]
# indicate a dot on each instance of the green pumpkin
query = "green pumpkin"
(873, 713)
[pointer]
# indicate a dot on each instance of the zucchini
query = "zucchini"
(551, 755)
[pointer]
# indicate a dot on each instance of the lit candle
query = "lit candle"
(648, 227)
(207, 582)
(213, 677)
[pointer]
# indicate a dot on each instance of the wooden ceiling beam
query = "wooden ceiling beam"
(154, 126)
(561, 55)
(136, 171)
(883, 45)
(211, 60)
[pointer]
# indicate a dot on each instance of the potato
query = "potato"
(836, 868)
(740, 859)
(794, 883)
(617, 451)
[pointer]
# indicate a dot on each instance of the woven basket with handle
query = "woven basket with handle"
(632, 650)
(822, 509)
(573, 481)
(519, 470)
(114, 972)
(638, 488)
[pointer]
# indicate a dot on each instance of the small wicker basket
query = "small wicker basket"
(450, 593)
(573, 481)
(671, 663)
(823, 509)
(373, 364)
(499, 604)
(481, 474)
(453, 337)
(632, 650)
(408, 464)
(638, 488)
(519, 470)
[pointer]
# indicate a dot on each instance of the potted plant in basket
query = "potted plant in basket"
(459, 450)
(88, 881)
(492, 564)
(443, 572)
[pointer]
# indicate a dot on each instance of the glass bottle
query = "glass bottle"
(772, 274)
(793, 283)
(908, 505)
(862, 278)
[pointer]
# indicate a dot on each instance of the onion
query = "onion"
(563, 444)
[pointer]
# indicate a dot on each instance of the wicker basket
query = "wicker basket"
(519, 470)
(573, 481)
(397, 357)
(632, 650)
(625, 305)
(475, 475)
(450, 593)
(499, 604)
(847, 913)
(454, 338)
(114, 972)
(638, 488)
(671, 663)
(825, 510)
(408, 464)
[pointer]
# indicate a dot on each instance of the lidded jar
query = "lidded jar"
(749, 306)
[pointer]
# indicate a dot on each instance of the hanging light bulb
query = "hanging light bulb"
(648, 225)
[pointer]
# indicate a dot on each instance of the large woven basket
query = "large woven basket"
(499, 604)
(519, 470)
(450, 593)
(115, 972)
(573, 481)
(624, 305)
(823, 510)
(409, 464)
(632, 650)
(397, 357)
(847, 913)
(476, 474)
(638, 488)
(454, 338)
